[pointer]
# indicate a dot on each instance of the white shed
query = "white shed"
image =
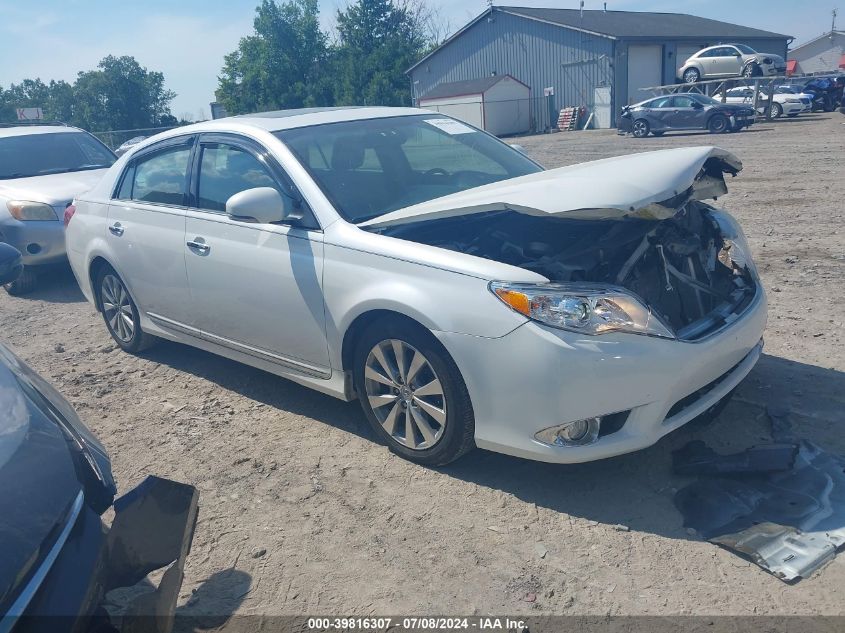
(499, 104)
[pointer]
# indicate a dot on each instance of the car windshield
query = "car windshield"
(370, 167)
(745, 50)
(51, 153)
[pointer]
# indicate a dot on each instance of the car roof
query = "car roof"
(278, 120)
(27, 130)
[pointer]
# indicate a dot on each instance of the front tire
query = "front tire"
(120, 313)
(776, 110)
(24, 284)
(412, 393)
(718, 124)
(640, 128)
(752, 70)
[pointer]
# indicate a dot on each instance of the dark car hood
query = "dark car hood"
(42, 471)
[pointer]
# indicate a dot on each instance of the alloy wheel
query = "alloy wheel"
(405, 394)
(640, 128)
(117, 308)
(691, 76)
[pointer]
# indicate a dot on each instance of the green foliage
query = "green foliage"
(289, 63)
(281, 65)
(379, 41)
(119, 95)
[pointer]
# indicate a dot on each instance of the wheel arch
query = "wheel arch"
(97, 264)
(360, 323)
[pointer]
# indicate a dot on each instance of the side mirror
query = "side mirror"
(260, 204)
(11, 265)
(697, 105)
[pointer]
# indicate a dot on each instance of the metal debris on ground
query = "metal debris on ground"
(782, 505)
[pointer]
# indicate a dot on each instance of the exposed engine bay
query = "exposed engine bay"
(685, 269)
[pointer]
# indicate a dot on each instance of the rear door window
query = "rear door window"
(160, 178)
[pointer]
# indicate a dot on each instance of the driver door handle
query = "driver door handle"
(116, 229)
(202, 247)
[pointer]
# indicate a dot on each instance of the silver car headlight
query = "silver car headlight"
(582, 307)
(31, 211)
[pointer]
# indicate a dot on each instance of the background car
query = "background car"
(730, 60)
(42, 168)
(463, 294)
(125, 147)
(57, 558)
(686, 111)
(784, 101)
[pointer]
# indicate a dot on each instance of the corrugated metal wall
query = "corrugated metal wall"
(538, 54)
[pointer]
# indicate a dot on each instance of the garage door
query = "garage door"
(645, 68)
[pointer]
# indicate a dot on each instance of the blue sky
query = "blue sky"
(187, 39)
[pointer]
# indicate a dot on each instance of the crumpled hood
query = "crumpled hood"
(52, 189)
(648, 185)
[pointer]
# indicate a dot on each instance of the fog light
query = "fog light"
(577, 433)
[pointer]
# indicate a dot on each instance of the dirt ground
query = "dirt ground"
(302, 513)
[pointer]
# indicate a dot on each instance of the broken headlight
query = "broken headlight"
(581, 307)
(735, 251)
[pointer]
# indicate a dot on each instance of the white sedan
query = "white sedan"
(465, 295)
(784, 101)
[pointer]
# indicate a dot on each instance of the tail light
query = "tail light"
(70, 209)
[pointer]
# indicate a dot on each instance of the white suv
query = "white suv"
(42, 168)
(462, 293)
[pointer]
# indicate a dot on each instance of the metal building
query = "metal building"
(824, 54)
(596, 59)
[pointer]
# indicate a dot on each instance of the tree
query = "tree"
(119, 95)
(282, 65)
(378, 41)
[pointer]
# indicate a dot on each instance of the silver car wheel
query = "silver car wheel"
(691, 76)
(117, 308)
(405, 394)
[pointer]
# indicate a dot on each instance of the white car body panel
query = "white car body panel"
(521, 376)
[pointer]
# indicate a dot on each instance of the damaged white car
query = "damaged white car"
(463, 294)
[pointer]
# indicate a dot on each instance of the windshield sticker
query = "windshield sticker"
(450, 126)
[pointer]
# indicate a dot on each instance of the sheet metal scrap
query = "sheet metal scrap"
(790, 522)
(696, 458)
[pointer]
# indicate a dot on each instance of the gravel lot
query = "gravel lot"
(301, 512)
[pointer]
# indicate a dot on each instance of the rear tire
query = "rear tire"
(718, 124)
(24, 284)
(640, 129)
(691, 75)
(393, 390)
(120, 314)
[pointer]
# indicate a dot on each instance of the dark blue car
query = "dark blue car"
(686, 111)
(57, 557)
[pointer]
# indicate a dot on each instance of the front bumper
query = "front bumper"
(537, 377)
(40, 243)
(153, 528)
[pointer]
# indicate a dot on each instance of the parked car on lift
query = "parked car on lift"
(465, 295)
(730, 60)
(42, 168)
(686, 111)
(125, 147)
(57, 558)
(783, 101)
